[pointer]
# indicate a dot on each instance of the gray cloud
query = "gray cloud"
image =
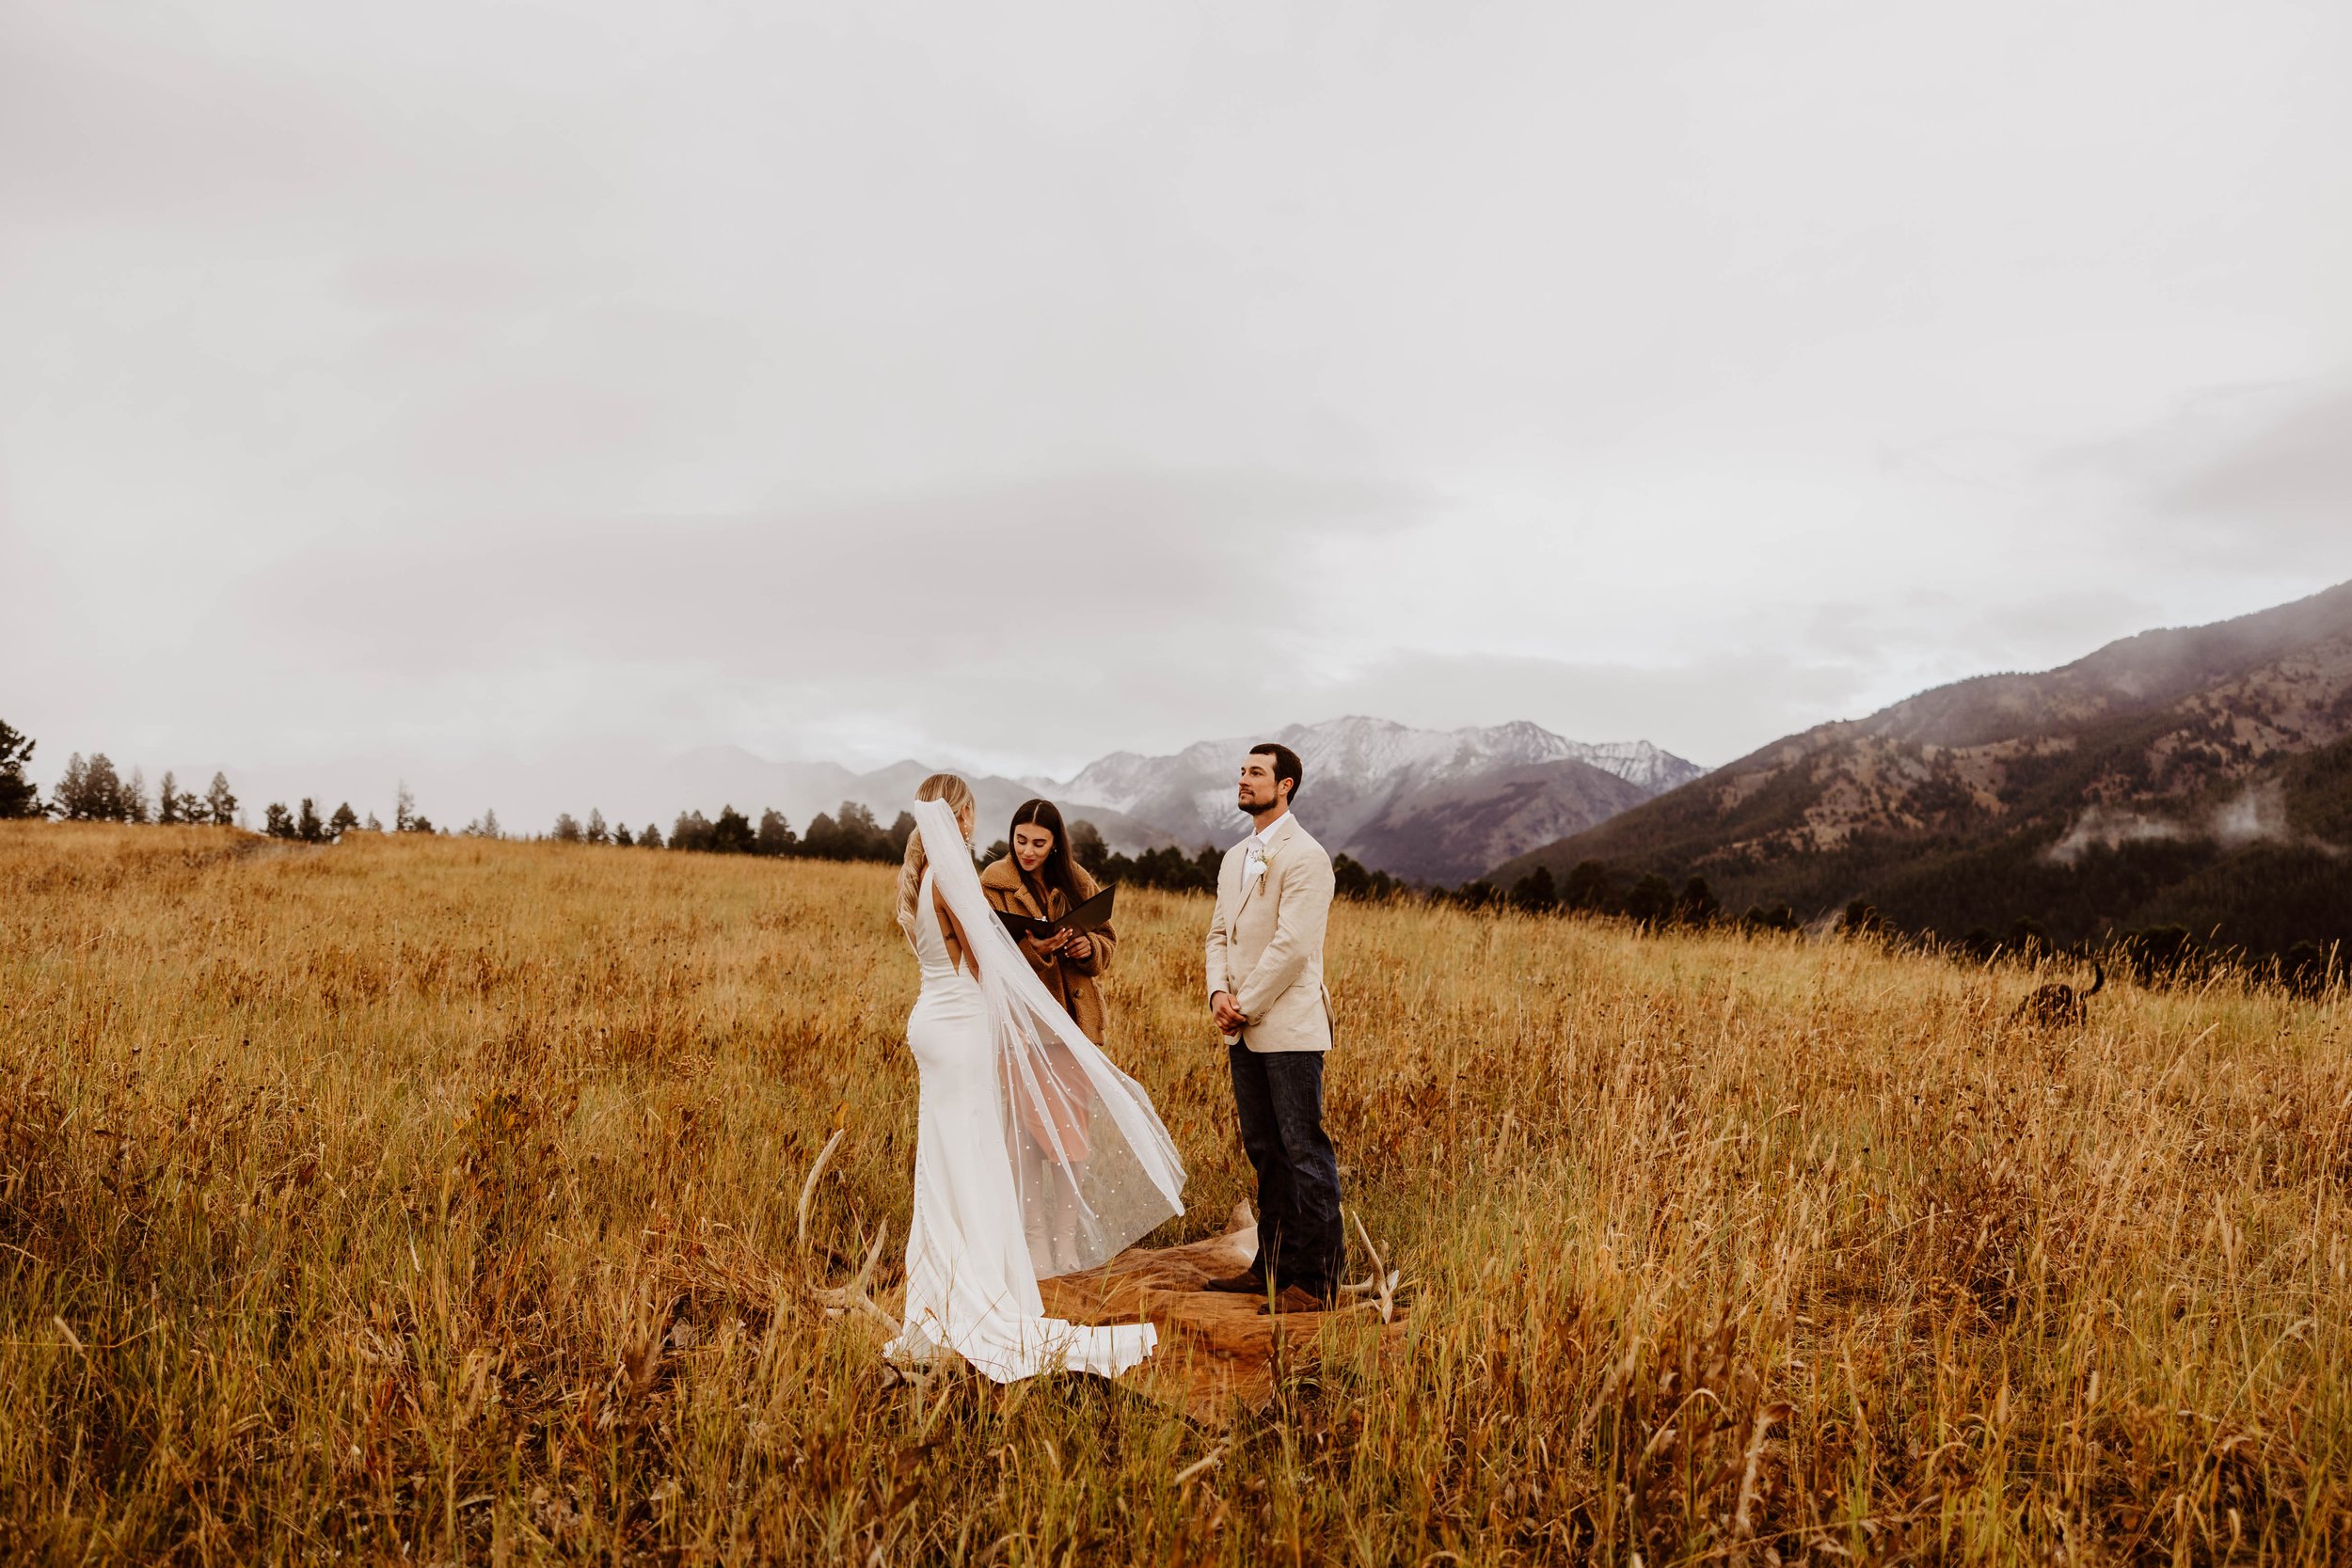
(1687, 708)
(2290, 482)
(477, 390)
(2229, 474)
(883, 587)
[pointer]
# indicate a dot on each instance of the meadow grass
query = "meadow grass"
(432, 1200)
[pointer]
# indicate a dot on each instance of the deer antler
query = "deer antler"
(840, 1299)
(808, 1188)
(1381, 1287)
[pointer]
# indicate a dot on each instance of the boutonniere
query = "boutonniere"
(1260, 864)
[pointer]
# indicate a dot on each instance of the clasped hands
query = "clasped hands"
(1073, 944)
(1228, 1013)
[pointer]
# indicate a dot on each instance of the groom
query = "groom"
(1266, 993)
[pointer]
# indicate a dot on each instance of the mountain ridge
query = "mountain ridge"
(2101, 793)
(1385, 793)
(1424, 805)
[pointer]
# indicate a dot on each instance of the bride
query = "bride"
(1034, 1155)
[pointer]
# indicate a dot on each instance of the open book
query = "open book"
(1095, 912)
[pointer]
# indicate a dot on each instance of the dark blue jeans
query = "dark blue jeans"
(1279, 1096)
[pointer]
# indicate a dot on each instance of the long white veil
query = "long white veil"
(1093, 1166)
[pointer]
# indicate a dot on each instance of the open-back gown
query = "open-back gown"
(971, 1273)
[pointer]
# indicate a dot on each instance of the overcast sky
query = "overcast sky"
(458, 389)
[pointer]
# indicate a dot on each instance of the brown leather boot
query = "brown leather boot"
(1249, 1282)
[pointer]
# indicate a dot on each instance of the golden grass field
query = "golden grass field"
(431, 1200)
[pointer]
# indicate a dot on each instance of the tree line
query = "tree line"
(1592, 888)
(1171, 869)
(850, 834)
(95, 789)
(2155, 955)
(853, 833)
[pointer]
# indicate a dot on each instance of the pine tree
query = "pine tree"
(596, 833)
(1478, 894)
(374, 825)
(308, 827)
(73, 796)
(134, 796)
(823, 839)
(775, 836)
(1352, 879)
(277, 821)
(650, 838)
(18, 797)
(101, 795)
(405, 818)
(343, 821)
(863, 837)
(566, 830)
(1086, 844)
(1651, 900)
(622, 836)
(167, 801)
(220, 802)
(731, 835)
(1588, 888)
(1534, 891)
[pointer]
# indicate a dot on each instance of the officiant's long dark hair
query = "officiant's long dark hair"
(1055, 870)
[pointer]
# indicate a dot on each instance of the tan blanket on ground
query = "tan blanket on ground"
(1214, 1349)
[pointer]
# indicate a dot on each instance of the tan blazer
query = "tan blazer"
(1070, 980)
(1266, 940)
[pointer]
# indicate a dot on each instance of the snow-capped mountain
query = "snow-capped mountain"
(705, 778)
(1429, 805)
(1638, 762)
(1440, 806)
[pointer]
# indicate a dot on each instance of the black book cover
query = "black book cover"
(1094, 912)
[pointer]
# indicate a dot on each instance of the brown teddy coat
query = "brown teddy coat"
(1072, 982)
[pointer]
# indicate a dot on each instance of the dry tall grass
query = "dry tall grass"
(432, 1200)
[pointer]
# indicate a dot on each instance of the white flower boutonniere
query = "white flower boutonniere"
(1260, 864)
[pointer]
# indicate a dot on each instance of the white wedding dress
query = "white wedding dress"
(1034, 1156)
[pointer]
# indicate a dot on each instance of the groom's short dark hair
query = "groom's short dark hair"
(1286, 763)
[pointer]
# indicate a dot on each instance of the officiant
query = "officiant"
(1040, 881)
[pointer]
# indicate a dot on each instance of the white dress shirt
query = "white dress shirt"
(1254, 867)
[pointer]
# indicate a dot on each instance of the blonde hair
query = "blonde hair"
(946, 787)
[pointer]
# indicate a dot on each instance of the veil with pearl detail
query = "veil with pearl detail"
(1034, 1156)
